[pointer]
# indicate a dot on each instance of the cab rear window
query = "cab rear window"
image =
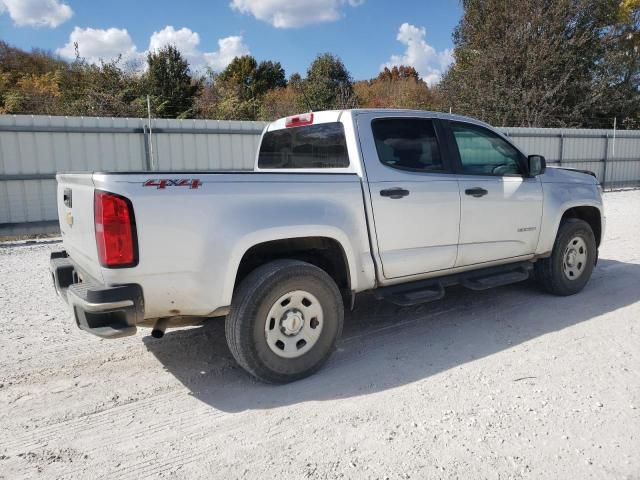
(314, 146)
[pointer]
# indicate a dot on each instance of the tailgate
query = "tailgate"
(75, 212)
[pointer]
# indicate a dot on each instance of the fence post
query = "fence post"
(147, 155)
(604, 164)
(151, 165)
(561, 148)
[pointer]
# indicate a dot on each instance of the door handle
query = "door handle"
(476, 192)
(394, 193)
(66, 197)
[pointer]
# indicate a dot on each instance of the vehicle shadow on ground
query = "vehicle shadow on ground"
(384, 346)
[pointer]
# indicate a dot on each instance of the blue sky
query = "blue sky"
(366, 34)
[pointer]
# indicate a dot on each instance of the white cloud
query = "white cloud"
(96, 44)
(188, 43)
(228, 49)
(184, 40)
(429, 63)
(36, 13)
(292, 14)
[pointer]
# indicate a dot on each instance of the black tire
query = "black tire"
(252, 301)
(550, 272)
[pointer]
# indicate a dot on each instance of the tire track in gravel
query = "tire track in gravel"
(77, 361)
(189, 421)
(187, 424)
(115, 416)
(183, 417)
(188, 432)
(206, 444)
(85, 353)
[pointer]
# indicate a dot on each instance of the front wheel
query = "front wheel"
(285, 319)
(571, 263)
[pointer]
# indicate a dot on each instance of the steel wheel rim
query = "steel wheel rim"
(294, 324)
(574, 259)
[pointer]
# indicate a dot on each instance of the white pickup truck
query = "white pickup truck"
(402, 203)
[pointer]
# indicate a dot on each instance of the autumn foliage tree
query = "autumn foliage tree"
(240, 88)
(169, 83)
(398, 87)
(280, 102)
(39, 83)
(328, 85)
(28, 81)
(545, 62)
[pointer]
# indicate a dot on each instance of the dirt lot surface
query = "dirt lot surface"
(508, 383)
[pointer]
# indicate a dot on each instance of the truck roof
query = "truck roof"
(324, 116)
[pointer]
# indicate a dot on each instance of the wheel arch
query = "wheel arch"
(325, 252)
(589, 214)
(555, 211)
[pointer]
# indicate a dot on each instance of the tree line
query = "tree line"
(39, 83)
(548, 63)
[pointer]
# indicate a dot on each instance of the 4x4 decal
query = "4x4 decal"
(163, 183)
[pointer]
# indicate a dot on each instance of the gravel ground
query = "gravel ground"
(509, 383)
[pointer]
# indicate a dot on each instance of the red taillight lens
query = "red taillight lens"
(115, 230)
(299, 120)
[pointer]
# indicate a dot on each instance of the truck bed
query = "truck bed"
(194, 227)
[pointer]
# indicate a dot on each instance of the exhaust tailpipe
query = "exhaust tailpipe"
(159, 327)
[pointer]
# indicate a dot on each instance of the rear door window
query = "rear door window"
(314, 146)
(407, 144)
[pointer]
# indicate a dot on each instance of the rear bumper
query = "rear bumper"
(108, 312)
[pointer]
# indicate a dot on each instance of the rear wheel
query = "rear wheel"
(285, 319)
(571, 263)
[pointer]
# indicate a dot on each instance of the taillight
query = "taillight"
(115, 230)
(299, 120)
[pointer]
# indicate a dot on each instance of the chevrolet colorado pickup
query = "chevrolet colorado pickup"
(401, 203)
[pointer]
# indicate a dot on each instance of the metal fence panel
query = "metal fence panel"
(205, 144)
(613, 156)
(34, 148)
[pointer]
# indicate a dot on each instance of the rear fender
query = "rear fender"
(281, 233)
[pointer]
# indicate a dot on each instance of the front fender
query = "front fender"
(558, 198)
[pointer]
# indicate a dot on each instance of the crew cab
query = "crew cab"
(402, 203)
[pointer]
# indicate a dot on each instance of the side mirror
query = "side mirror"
(536, 165)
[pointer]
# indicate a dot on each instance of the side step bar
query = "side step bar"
(431, 289)
(497, 279)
